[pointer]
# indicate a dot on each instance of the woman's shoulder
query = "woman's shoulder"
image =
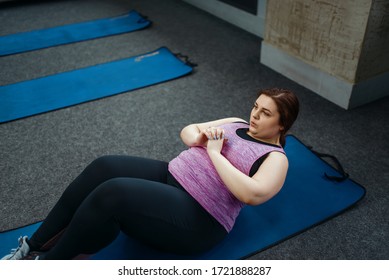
(278, 156)
(219, 122)
(238, 120)
(232, 120)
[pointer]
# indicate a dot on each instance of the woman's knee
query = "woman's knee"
(101, 163)
(91, 177)
(109, 194)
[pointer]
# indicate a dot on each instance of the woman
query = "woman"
(185, 206)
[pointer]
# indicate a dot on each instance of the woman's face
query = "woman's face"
(265, 120)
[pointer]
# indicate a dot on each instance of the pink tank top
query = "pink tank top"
(194, 170)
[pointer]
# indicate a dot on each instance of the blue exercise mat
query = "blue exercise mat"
(308, 198)
(49, 93)
(71, 33)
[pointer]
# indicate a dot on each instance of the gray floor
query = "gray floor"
(40, 155)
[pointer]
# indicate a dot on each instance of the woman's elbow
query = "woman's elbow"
(257, 198)
(253, 201)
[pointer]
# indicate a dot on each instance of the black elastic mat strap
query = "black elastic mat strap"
(186, 60)
(338, 167)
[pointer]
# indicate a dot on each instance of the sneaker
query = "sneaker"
(34, 255)
(20, 252)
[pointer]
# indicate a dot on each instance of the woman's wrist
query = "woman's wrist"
(213, 153)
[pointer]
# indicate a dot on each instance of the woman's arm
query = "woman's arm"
(194, 134)
(265, 183)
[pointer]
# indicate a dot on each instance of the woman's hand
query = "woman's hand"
(216, 139)
(202, 139)
(196, 134)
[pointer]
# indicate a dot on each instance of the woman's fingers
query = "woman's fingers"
(215, 133)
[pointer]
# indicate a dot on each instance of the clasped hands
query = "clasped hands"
(213, 138)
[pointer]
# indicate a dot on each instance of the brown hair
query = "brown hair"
(287, 105)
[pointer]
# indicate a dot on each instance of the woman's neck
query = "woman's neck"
(273, 141)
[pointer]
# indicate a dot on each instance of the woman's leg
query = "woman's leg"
(99, 171)
(155, 213)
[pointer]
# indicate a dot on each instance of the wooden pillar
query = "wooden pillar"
(337, 49)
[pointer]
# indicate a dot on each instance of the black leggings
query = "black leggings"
(135, 195)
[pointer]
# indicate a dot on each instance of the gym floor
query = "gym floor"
(40, 155)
